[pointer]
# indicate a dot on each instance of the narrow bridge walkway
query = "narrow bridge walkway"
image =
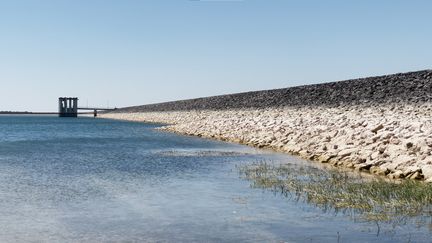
(98, 109)
(95, 110)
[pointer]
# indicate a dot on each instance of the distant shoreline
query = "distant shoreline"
(26, 113)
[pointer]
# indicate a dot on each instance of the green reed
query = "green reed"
(370, 198)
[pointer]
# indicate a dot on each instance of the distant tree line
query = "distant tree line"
(15, 112)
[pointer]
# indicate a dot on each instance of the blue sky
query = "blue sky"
(133, 52)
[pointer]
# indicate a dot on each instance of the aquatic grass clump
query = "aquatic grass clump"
(371, 198)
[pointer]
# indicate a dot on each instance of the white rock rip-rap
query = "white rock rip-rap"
(394, 140)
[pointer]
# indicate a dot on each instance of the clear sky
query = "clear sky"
(133, 52)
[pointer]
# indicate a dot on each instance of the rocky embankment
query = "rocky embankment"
(378, 124)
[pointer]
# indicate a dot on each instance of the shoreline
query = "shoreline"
(387, 131)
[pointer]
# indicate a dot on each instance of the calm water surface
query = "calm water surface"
(100, 180)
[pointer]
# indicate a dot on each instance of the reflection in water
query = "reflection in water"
(92, 180)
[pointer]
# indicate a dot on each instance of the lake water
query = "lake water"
(85, 179)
